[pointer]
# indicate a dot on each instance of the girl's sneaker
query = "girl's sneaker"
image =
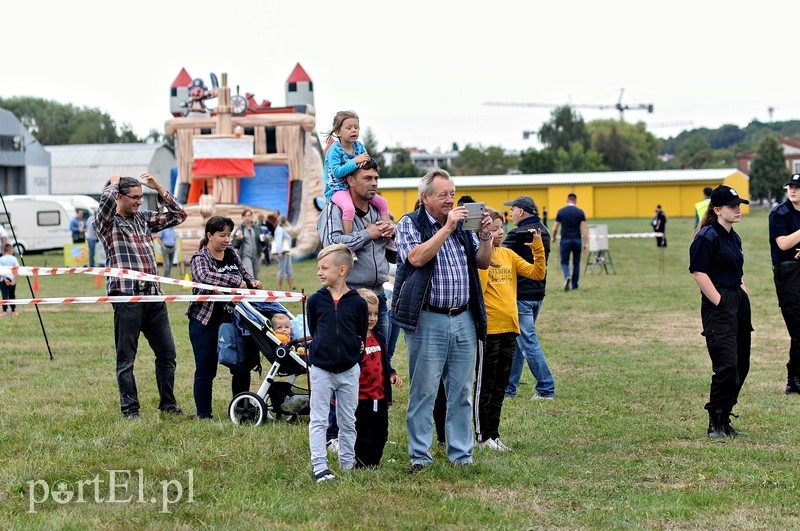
(3, 314)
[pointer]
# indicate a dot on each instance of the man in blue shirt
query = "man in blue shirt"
(574, 235)
(167, 239)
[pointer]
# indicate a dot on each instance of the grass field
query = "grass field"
(623, 445)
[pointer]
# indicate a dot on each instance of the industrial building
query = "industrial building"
(624, 194)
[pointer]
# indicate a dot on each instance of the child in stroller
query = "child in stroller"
(287, 360)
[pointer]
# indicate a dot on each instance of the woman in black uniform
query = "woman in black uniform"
(784, 241)
(716, 259)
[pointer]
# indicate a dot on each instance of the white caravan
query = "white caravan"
(40, 222)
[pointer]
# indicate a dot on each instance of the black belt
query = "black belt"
(446, 311)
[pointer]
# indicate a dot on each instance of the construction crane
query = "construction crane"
(621, 107)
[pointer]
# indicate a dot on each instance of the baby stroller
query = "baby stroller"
(275, 398)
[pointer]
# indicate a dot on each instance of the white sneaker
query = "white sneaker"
(537, 396)
(499, 446)
(488, 443)
(333, 446)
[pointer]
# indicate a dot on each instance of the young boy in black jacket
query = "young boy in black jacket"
(337, 320)
(374, 392)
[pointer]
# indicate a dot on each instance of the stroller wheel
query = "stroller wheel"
(248, 408)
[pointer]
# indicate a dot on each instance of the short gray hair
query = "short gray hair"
(426, 183)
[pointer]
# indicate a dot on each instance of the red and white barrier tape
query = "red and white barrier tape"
(135, 275)
(632, 235)
(236, 294)
(149, 298)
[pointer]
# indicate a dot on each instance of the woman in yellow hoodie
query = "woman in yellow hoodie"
(494, 359)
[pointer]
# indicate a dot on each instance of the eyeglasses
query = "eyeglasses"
(133, 197)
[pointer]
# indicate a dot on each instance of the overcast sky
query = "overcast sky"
(418, 72)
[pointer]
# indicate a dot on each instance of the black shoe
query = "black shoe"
(716, 430)
(726, 424)
(415, 468)
(131, 415)
(172, 410)
(793, 386)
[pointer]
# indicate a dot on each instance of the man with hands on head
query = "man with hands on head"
(125, 232)
(438, 301)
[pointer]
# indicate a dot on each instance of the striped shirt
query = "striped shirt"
(128, 242)
(450, 285)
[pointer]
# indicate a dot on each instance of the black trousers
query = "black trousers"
(787, 285)
(151, 319)
(372, 432)
(727, 328)
(491, 380)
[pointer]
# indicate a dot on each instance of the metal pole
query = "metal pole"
(30, 287)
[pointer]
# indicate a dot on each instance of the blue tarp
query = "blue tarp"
(268, 189)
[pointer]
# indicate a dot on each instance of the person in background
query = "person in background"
(78, 227)
(8, 283)
(283, 246)
(701, 206)
(716, 261)
(574, 230)
(91, 240)
(166, 239)
(267, 231)
(784, 242)
(217, 264)
(530, 297)
(374, 392)
(125, 233)
(659, 224)
(248, 242)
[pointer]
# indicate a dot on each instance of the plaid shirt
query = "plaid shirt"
(129, 242)
(204, 270)
(450, 285)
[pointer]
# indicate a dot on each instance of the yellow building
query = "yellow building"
(622, 194)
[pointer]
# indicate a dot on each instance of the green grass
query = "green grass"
(622, 446)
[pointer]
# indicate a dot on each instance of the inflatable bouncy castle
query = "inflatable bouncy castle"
(245, 154)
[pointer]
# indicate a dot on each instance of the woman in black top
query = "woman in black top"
(716, 260)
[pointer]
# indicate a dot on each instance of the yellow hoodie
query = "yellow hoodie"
(500, 285)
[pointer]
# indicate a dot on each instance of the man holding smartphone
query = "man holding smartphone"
(530, 294)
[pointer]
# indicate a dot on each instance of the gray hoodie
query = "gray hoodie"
(371, 269)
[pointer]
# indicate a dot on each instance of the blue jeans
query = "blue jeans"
(92, 244)
(442, 347)
(528, 348)
(204, 345)
(571, 246)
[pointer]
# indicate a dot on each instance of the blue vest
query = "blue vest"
(412, 284)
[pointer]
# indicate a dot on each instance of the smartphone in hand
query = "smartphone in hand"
(474, 216)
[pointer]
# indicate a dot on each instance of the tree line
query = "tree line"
(569, 145)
